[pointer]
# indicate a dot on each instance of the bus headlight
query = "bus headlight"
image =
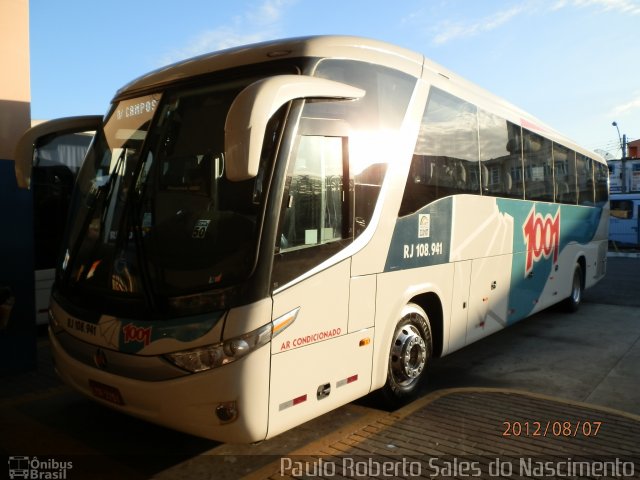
(212, 356)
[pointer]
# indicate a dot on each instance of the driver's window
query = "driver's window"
(315, 215)
(313, 200)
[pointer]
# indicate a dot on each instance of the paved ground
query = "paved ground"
(548, 370)
(475, 432)
(621, 286)
(591, 356)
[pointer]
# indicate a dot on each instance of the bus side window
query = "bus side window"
(366, 185)
(538, 170)
(564, 164)
(584, 169)
(445, 160)
(500, 156)
(602, 183)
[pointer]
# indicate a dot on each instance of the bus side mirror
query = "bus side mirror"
(253, 107)
(23, 153)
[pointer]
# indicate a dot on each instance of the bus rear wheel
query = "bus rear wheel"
(409, 356)
(573, 301)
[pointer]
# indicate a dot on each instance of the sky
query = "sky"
(574, 64)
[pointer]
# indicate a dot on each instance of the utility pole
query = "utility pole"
(624, 163)
(623, 158)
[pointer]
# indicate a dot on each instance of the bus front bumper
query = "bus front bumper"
(187, 403)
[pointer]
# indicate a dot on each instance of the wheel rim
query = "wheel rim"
(408, 355)
(576, 291)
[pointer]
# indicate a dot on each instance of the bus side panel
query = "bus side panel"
(459, 307)
(315, 365)
(483, 234)
(480, 228)
(548, 240)
(362, 302)
(314, 379)
(324, 306)
(489, 296)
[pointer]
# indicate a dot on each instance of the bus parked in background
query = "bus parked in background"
(56, 162)
(265, 233)
(624, 223)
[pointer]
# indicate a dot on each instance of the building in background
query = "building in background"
(630, 179)
(17, 316)
(633, 149)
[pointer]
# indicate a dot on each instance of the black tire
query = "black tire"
(409, 355)
(573, 301)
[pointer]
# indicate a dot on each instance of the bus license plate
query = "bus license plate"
(106, 392)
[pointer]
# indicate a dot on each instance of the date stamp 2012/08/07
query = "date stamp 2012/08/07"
(551, 428)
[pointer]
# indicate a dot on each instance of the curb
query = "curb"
(623, 254)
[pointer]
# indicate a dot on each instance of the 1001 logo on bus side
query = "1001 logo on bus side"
(541, 237)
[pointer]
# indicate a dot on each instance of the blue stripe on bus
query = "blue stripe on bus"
(134, 335)
(412, 247)
(575, 224)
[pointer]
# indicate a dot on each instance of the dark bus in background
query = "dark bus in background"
(56, 161)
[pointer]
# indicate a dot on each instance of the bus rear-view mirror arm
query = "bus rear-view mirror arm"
(253, 107)
(23, 153)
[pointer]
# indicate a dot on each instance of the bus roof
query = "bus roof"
(350, 47)
(356, 48)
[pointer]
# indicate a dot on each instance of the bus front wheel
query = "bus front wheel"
(409, 355)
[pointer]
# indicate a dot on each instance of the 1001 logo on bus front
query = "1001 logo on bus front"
(541, 237)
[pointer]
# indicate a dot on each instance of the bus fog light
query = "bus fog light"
(227, 412)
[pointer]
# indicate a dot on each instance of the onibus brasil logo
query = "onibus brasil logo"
(541, 237)
(34, 468)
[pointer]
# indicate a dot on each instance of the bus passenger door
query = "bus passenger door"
(317, 364)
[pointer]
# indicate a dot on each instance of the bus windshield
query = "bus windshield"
(156, 218)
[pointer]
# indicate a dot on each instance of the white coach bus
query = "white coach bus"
(262, 234)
